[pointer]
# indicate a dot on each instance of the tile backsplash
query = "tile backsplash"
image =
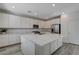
(25, 31)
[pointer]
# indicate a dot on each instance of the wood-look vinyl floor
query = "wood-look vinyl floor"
(66, 49)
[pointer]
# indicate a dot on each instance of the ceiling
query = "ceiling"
(43, 11)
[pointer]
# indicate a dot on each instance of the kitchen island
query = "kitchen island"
(45, 44)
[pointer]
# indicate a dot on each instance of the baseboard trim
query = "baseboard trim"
(9, 45)
(56, 50)
(73, 44)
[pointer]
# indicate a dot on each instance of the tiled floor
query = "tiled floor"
(66, 49)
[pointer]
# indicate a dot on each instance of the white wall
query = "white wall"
(70, 27)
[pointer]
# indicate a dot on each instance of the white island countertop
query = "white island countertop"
(40, 39)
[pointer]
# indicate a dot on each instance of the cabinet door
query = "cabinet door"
(4, 20)
(14, 21)
(41, 24)
(13, 39)
(53, 46)
(26, 22)
(59, 43)
(47, 24)
(28, 47)
(42, 50)
(55, 21)
(3, 40)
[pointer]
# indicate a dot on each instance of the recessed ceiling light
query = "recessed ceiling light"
(53, 5)
(29, 11)
(62, 12)
(13, 6)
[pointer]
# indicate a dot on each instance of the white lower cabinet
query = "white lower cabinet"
(52, 47)
(30, 48)
(27, 47)
(9, 40)
(13, 39)
(3, 40)
(55, 45)
(42, 50)
(59, 43)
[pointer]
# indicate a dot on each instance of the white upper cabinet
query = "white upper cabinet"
(47, 24)
(41, 24)
(14, 21)
(36, 22)
(50, 22)
(4, 20)
(26, 22)
(9, 21)
(56, 21)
